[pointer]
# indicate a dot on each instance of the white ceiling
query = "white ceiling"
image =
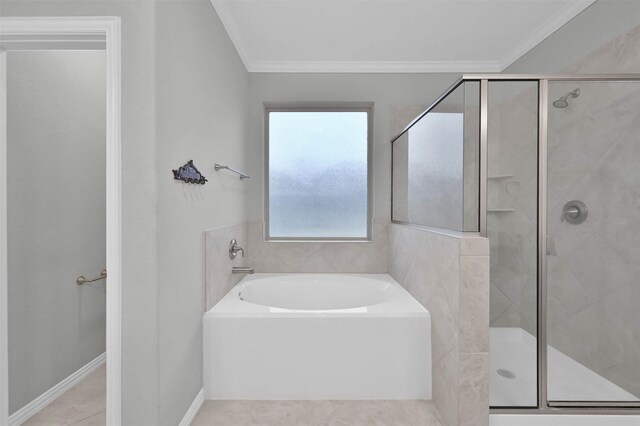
(389, 35)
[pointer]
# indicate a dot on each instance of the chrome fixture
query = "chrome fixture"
(221, 166)
(507, 374)
(82, 280)
(234, 248)
(574, 212)
(241, 270)
(563, 101)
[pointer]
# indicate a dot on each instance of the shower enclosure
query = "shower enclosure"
(548, 168)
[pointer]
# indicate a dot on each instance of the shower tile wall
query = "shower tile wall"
(621, 55)
(339, 257)
(218, 277)
(449, 275)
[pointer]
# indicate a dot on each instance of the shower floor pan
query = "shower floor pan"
(514, 350)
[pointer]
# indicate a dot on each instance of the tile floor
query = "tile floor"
(318, 413)
(82, 405)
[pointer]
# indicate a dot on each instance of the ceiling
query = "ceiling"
(389, 35)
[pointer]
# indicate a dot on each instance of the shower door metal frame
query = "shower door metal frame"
(544, 405)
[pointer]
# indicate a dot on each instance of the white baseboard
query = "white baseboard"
(23, 414)
(193, 409)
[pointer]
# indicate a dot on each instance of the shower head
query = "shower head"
(563, 101)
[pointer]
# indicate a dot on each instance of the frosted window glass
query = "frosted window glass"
(318, 174)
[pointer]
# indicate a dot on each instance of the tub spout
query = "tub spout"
(241, 270)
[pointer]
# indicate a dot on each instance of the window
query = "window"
(318, 173)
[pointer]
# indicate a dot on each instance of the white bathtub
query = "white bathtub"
(317, 336)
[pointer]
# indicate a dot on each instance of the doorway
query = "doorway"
(60, 212)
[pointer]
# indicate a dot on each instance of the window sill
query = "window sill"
(323, 241)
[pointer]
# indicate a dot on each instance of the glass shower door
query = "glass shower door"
(593, 242)
(512, 191)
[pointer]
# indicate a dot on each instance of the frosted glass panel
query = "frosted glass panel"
(435, 165)
(435, 171)
(318, 174)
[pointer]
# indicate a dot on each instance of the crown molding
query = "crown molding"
(549, 27)
(231, 26)
(373, 66)
(226, 15)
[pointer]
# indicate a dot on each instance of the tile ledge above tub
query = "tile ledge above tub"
(471, 243)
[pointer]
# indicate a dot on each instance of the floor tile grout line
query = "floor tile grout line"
(88, 417)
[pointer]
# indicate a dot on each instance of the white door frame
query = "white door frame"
(56, 33)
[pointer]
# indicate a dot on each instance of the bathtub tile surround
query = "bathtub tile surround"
(309, 256)
(369, 257)
(218, 277)
(474, 332)
(449, 274)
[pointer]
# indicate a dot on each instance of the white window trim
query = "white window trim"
(319, 107)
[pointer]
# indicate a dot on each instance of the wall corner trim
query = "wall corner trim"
(193, 409)
(32, 408)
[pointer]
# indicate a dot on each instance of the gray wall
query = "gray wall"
(391, 93)
(202, 99)
(56, 216)
(594, 27)
(139, 270)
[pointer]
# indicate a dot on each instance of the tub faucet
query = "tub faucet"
(241, 270)
(234, 248)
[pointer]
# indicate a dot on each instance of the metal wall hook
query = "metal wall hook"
(222, 166)
(82, 280)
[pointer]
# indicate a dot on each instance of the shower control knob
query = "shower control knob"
(574, 212)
